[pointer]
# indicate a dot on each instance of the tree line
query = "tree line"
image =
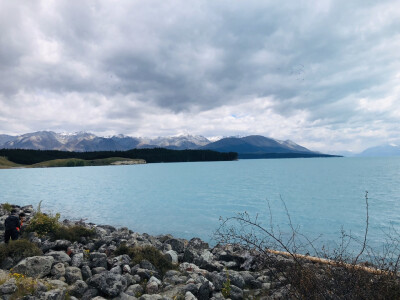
(155, 155)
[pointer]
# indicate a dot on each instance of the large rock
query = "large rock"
(109, 283)
(35, 266)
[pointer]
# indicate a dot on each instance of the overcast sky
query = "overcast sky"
(325, 74)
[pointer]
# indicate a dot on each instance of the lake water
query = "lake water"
(187, 199)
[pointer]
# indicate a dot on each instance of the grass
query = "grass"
(7, 206)
(6, 164)
(76, 162)
(18, 250)
(72, 162)
(73, 233)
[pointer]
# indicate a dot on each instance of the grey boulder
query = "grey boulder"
(35, 266)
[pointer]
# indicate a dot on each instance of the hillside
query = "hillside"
(6, 164)
(256, 146)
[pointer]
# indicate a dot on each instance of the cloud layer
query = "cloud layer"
(325, 74)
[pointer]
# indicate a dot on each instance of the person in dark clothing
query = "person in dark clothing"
(12, 225)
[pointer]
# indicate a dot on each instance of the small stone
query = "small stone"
(154, 279)
(145, 264)
(191, 287)
(176, 244)
(204, 291)
(236, 293)
(57, 284)
(266, 285)
(78, 289)
(150, 297)
(61, 245)
(108, 283)
(91, 293)
(59, 256)
(190, 296)
(171, 256)
(86, 272)
(98, 270)
(152, 288)
(134, 290)
(98, 260)
(9, 287)
(55, 295)
(77, 260)
(125, 296)
(126, 269)
(58, 270)
(73, 274)
(7, 263)
(116, 270)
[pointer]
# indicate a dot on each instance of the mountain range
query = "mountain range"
(254, 145)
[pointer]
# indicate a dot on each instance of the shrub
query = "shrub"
(149, 253)
(226, 289)
(7, 206)
(18, 250)
(73, 233)
(43, 224)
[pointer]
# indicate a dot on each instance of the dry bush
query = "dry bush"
(336, 274)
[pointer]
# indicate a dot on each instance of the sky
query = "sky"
(324, 74)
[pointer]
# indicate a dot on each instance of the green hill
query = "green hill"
(6, 164)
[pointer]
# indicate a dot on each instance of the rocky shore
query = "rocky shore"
(91, 269)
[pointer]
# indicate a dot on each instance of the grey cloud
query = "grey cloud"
(198, 56)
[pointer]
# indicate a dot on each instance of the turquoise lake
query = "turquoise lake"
(187, 199)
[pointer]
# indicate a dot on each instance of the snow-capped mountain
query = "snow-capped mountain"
(83, 141)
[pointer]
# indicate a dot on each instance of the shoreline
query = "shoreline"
(103, 266)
